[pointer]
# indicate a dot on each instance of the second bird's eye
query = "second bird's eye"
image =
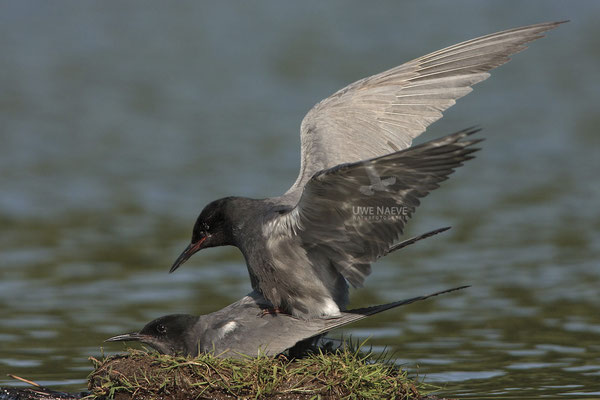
(205, 227)
(161, 329)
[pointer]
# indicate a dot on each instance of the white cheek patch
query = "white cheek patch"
(227, 329)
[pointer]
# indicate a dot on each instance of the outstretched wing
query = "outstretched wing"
(353, 214)
(385, 112)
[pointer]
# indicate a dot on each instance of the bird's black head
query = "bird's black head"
(171, 334)
(212, 228)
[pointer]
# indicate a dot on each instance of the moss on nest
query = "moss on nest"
(343, 374)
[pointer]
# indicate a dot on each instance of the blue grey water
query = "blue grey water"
(121, 120)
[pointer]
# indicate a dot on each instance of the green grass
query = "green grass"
(343, 374)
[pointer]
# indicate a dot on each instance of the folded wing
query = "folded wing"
(290, 330)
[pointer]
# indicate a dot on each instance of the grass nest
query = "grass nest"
(342, 374)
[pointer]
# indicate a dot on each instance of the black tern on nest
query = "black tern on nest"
(240, 330)
(360, 179)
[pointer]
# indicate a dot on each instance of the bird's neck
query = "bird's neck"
(243, 216)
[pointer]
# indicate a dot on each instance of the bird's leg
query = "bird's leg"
(271, 311)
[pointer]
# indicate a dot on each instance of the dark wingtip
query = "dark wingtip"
(452, 290)
(472, 129)
(467, 131)
(554, 24)
(439, 230)
(415, 239)
(383, 307)
(444, 292)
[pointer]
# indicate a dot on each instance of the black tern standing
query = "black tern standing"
(240, 330)
(359, 181)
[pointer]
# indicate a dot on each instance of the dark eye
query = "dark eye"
(205, 227)
(161, 328)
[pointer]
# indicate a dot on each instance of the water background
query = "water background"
(120, 120)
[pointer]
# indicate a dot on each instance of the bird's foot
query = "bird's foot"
(271, 311)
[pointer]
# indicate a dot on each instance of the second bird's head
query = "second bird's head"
(212, 228)
(171, 334)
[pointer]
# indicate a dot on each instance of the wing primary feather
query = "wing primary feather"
(415, 239)
(361, 313)
(366, 311)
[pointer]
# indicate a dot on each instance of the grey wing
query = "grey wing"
(352, 214)
(385, 112)
(253, 334)
(243, 329)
